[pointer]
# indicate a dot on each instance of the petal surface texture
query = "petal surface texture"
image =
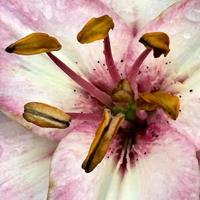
(25, 162)
(36, 78)
(165, 168)
(137, 13)
(179, 72)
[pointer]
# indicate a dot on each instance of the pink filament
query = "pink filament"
(90, 88)
(132, 75)
(110, 62)
(85, 116)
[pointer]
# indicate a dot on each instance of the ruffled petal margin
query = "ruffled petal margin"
(165, 167)
(25, 162)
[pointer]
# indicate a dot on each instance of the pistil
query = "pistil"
(110, 62)
(90, 88)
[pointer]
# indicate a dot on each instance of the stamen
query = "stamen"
(103, 137)
(110, 62)
(97, 29)
(156, 41)
(133, 73)
(90, 88)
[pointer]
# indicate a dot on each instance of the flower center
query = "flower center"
(122, 106)
(123, 100)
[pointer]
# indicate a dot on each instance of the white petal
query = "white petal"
(137, 13)
(24, 162)
(189, 116)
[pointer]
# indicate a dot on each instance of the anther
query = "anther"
(152, 101)
(104, 135)
(44, 115)
(34, 43)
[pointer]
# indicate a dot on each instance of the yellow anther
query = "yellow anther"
(103, 137)
(34, 43)
(158, 41)
(44, 115)
(151, 101)
(95, 29)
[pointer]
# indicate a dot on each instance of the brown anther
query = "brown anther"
(160, 99)
(34, 43)
(95, 29)
(106, 131)
(44, 115)
(158, 41)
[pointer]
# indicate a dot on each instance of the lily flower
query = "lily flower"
(115, 100)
